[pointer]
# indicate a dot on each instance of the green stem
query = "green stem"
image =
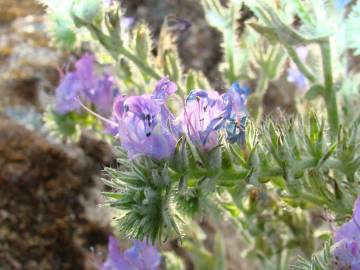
(139, 62)
(260, 92)
(329, 92)
(301, 66)
(115, 51)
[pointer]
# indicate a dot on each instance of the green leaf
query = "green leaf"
(319, 261)
(314, 92)
(142, 41)
(232, 209)
(172, 261)
(352, 29)
(268, 32)
(90, 11)
(190, 81)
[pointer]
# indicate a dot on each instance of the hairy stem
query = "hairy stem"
(329, 93)
(139, 62)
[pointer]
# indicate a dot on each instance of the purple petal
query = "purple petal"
(163, 89)
(115, 260)
(84, 70)
(67, 93)
(102, 94)
(127, 22)
(294, 74)
(144, 127)
(237, 96)
(347, 242)
(205, 113)
(143, 256)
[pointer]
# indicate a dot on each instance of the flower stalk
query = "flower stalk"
(329, 93)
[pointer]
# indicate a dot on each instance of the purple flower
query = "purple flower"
(85, 71)
(204, 114)
(82, 84)
(236, 124)
(163, 90)
(67, 93)
(346, 254)
(102, 94)
(127, 22)
(237, 95)
(139, 257)
(142, 128)
(74, 86)
(294, 74)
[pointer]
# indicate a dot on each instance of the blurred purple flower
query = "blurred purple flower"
(142, 128)
(346, 254)
(127, 22)
(67, 93)
(294, 74)
(204, 114)
(102, 94)
(237, 95)
(139, 257)
(85, 71)
(341, 4)
(82, 84)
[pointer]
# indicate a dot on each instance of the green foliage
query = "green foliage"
(68, 127)
(142, 189)
(172, 261)
(203, 258)
(60, 25)
(236, 53)
(319, 261)
(352, 29)
(268, 187)
(89, 11)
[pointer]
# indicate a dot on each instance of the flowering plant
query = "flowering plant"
(184, 149)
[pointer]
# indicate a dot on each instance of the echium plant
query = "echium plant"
(184, 149)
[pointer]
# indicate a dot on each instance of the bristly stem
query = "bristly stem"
(139, 62)
(329, 92)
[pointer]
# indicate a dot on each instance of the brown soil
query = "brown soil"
(43, 224)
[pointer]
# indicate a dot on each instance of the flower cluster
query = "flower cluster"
(140, 257)
(146, 126)
(82, 84)
(346, 254)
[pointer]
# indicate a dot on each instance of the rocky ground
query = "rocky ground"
(44, 192)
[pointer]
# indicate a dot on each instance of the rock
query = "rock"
(43, 220)
(28, 65)
(10, 10)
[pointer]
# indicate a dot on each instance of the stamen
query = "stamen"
(148, 119)
(97, 115)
